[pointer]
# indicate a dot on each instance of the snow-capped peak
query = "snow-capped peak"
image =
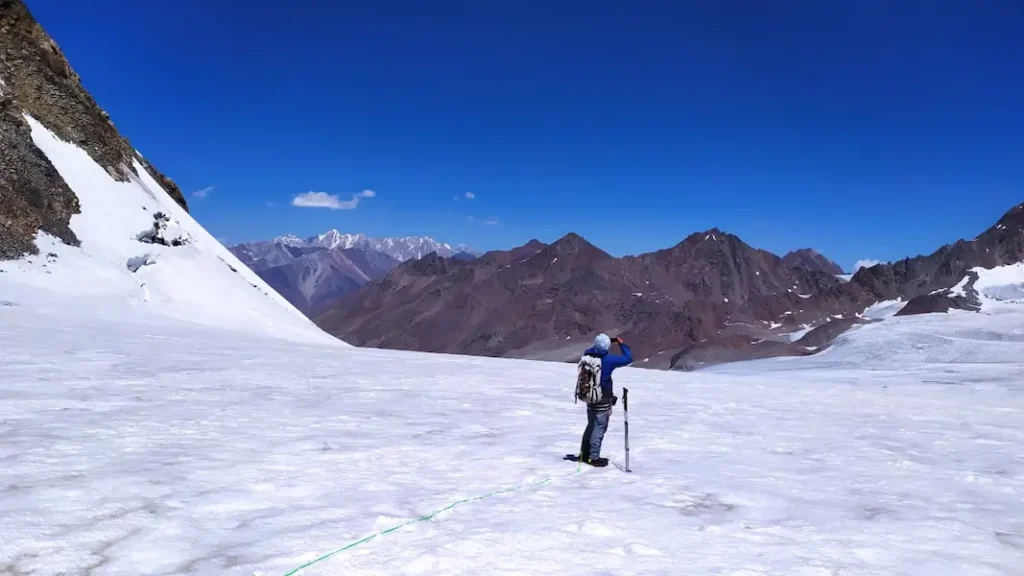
(400, 248)
(290, 240)
(333, 239)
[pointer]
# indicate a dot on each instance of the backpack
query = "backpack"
(588, 380)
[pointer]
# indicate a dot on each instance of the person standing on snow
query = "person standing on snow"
(598, 414)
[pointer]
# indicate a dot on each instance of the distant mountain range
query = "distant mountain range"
(711, 298)
(313, 272)
(400, 249)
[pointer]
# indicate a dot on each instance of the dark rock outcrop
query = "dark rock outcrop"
(161, 233)
(35, 78)
(945, 300)
(33, 196)
(822, 336)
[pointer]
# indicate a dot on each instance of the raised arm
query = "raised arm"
(625, 359)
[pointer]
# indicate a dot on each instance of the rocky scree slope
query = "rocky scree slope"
(36, 78)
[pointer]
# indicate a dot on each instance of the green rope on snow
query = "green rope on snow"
(430, 516)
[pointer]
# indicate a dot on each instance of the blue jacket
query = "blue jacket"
(608, 364)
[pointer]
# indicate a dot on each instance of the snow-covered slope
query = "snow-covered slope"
(1000, 289)
(141, 255)
(170, 449)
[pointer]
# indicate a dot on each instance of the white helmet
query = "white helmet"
(602, 342)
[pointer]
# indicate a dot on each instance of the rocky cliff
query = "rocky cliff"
(36, 78)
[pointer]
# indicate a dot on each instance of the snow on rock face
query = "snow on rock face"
(1000, 284)
(141, 255)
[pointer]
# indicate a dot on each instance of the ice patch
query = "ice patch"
(882, 310)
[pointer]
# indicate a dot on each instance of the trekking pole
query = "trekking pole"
(625, 421)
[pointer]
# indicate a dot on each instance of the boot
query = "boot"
(597, 462)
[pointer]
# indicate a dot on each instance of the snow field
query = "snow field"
(172, 449)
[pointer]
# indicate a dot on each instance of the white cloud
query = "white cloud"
(330, 201)
(865, 263)
(203, 192)
(491, 222)
(470, 195)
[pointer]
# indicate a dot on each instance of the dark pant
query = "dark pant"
(597, 425)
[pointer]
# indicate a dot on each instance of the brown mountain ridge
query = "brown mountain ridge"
(708, 299)
(530, 300)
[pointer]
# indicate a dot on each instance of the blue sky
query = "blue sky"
(863, 129)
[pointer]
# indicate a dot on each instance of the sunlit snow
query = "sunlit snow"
(169, 449)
